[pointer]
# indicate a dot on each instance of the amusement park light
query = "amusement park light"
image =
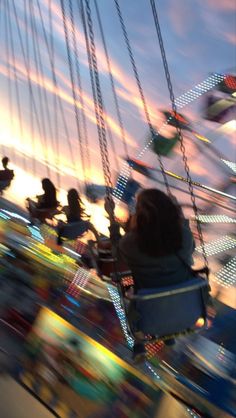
(35, 233)
(200, 322)
(230, 164)
(152, 370)
(4, 216)
(218, 246)
(216, 219)
(226, 277)
(79, 281)
(182, 101)
(115, 297)
(16, 216)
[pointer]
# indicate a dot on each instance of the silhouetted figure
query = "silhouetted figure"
(75, 209)
(46, 204)
(47, 200)
(6, 175)
(77, 224)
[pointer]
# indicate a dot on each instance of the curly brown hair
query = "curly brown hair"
(157, 223)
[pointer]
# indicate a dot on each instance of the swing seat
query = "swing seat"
(4, 184)
(172, 310)
(162, 145)
(41, 214)
(6, 177)
(74, 230)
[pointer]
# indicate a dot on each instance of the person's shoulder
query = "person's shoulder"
(186, 226)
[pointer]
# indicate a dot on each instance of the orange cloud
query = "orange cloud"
(90, 108)
(129, 90)
(50, 87)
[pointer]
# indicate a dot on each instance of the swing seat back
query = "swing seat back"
(74, 230)
(4, 184)
(173, 309)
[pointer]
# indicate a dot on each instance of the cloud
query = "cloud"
(230, 37)
(48, 84)
(128, 89)
(181, 18)
(224, 5)
(219, 26)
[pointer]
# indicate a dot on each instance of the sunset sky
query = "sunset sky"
(199, 38)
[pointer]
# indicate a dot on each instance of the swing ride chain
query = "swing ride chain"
(100, 108)
(73, 88)
(92, 82)
(178, 128)
(91, 72)
(123, 136)
(80, 89)
(146, 111)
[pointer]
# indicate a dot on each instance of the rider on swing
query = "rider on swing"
(158, 244)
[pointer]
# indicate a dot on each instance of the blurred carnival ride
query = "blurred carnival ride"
(66, 311)
(39, 273)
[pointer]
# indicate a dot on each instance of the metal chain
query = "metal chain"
(146, 111)
(92, 81)
(122, 131)
(100, 108)
(73, 89)
(38, 57)
(16, 78)
(40, 82)
(57, 99)
(9, 84)
(55, 134)
(178, 128)
(81, 97)
(91, 74)
(28, 76)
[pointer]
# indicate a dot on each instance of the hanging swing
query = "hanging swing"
(164, 304)
(41, 214)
